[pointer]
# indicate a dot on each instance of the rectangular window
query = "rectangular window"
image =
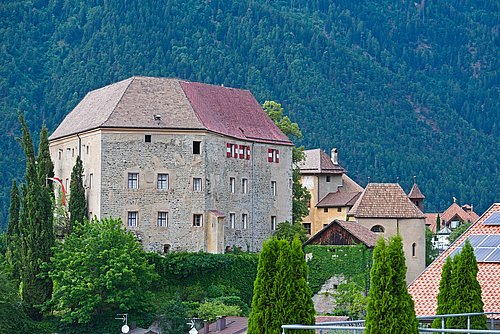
(339, 209)
(162, 220)
(197, 184)
(196, 147)
(325, 209)
(232, 220)
(132, 219)
(197, 220)
(133, 180)
(88, 149)
(273, 188)
(60, 154)
(328, 178)
(147, 138)
(244, 186)
(91, 178)
(273, 155)
(244, 152)
(273, 223)
(244, 220)
(232, 150)
(232, 184)
(162, 181)
(307, 226)
(67, 184)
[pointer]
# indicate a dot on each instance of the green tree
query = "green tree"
(13, 247)
(350, 301)
(444, 298)
(287, 231)
(77, 203)
(35, 229)
(430, 251)
(209, 310)
(98, 270)
(438, 223)
(300, 194)
(465, 294)
(456, 233)
(390, 307)
(44, 164)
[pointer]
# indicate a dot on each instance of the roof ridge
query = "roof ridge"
(120, 99)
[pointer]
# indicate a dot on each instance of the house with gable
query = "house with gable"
(484, 236)
(384, 208)
(333, 193)
(187, 166)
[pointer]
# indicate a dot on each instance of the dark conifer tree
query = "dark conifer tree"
(77, 203)
(36, 231)
(12, 253)
(444, 300)
(44, 164)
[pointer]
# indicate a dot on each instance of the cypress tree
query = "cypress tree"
(13, 250)
(77, 203)
(438, 223)
(282, 289)
(466, 291)
(36, 231)
(444, 299)
(45, 166)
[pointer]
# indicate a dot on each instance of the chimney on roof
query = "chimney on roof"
(335, 156)
(220, 324)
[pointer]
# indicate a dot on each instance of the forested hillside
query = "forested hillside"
(402, 88)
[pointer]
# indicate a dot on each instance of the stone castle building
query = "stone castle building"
(186, 166)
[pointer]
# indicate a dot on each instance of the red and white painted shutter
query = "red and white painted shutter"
(277, 156)
(248, 152)
(235, 150)
(229, 150)
(242, 154)
(270, 155)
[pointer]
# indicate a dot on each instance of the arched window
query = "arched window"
(378, 229)
(414, 249)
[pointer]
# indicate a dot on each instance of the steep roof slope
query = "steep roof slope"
(318, 162)
(425, 288)
(134, 103)
(455, 210)
(415, 193)
(384, 200)
(358, 231)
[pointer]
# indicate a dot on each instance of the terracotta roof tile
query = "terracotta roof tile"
(318, 162)
(358, 231)
(430, 221)
(234, 325)
(415, 193)
(425, 288)
(340, 198)
(349, 184)
(455, 210)
(384, 200)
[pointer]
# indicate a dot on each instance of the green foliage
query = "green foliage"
(13, 251)
(438, 223)
(172, 317)
(45, 166)
(100, 269)
(77, 203)
(350, 301)
(281, 294)
(390, 307)
(287, 231)
(465, 291)
(444, 297)
(431, 253)
(210, 310)
(352, 263)
(35, 229)
(456, 233)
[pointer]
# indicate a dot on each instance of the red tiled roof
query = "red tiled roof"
(384, 200)
(430, 221)
(455, 210)
(318, 162)
(425, 288)
(135, 103)
(234, 325)
(232, 112)
(415, 193)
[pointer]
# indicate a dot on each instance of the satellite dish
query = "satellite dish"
(125, 329)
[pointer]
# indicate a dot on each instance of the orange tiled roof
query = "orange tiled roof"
(455, 210)
(425, 288)
(415, 193)
(430, 221)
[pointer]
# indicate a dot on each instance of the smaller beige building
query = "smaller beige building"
(384, 208)
(333, 193)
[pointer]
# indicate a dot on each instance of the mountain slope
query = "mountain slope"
(401, 88)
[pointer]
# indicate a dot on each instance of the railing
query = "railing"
(358, 326)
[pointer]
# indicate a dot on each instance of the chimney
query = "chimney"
(220, 324)
(206, 327)
(335, 156)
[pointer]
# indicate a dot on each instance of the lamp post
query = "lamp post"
(124, 317)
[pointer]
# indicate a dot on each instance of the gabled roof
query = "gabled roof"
(415, 193)
(134, 103)
(358, 231)
(430, 221)
(455, 210)
(384, 200)
(318, 162)
(340, 198)
(425, 288)
(349, 184)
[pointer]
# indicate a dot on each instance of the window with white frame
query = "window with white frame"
(91, 178)
(162, 181)
(273, 188)
(162, 219)
(273, 223)
(132, 218)
(197, 184)
(133, 180)
(232, 184)
(197, 219)
(244, 185)
(244, 220)
(232, 220)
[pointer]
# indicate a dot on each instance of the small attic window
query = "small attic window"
(147, 138)
(196, 147)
